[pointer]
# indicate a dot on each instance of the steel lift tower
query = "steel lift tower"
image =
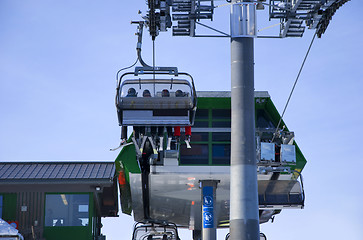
(244, 218)
(294, 17)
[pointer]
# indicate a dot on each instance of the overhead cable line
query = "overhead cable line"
(293, 88)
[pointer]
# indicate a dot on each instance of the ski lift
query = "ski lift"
(155, 231)
(148, 98)
(155, 98)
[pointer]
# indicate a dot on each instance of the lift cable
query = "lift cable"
(293, 88)
(216, 30)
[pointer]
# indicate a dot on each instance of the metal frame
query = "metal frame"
(170, 71)
(154, 225)
(157, 71)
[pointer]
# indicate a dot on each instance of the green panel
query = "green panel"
(271, 111)
(125, 197)
(92, 209)
(300, 159)
(214, 103)
(9, 206)
(127, 157)
(127, 160)
(62, 233)
(265, 104)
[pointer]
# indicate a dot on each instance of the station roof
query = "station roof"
(33, 171)
(227, 94)
(97, 177)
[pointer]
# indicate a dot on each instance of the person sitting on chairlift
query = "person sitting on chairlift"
(138, 130)
(131, 92)
(165, 93)
(146, 93)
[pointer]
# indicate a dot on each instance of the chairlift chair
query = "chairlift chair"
(156, 101)
(155, 231)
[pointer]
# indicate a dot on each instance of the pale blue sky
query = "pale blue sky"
(58, 61)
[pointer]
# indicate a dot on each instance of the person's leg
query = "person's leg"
(188, 134)
(177, 131)
(161, 137)
(188, 131)
(137, 132)
(153, 131)
(170, 135)
(123, 138)
(142, 130)
(123, 134)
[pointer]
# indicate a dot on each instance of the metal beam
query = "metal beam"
(244, 218)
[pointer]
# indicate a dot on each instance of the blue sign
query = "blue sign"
(207, 201)
(208, 217)
(208, 196)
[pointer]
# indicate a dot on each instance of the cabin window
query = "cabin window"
(224, 114)
(200, 124)
(66, 210)
(221, 136)
(221, 124)
(201, 118)
(197, 155)
(262, 120)
(210, 147)
(201, 114)
(221, 153)
(200, 136)
(212, 130)
(221, 118)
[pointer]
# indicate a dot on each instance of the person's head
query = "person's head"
(179, 93)
(165, 93)
(146, 93)
(131, 92)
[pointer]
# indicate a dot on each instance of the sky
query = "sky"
(58, 61)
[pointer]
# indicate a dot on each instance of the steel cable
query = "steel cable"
(293, 88)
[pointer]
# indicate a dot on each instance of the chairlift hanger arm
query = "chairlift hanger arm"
(140, 28)
(145, 67)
